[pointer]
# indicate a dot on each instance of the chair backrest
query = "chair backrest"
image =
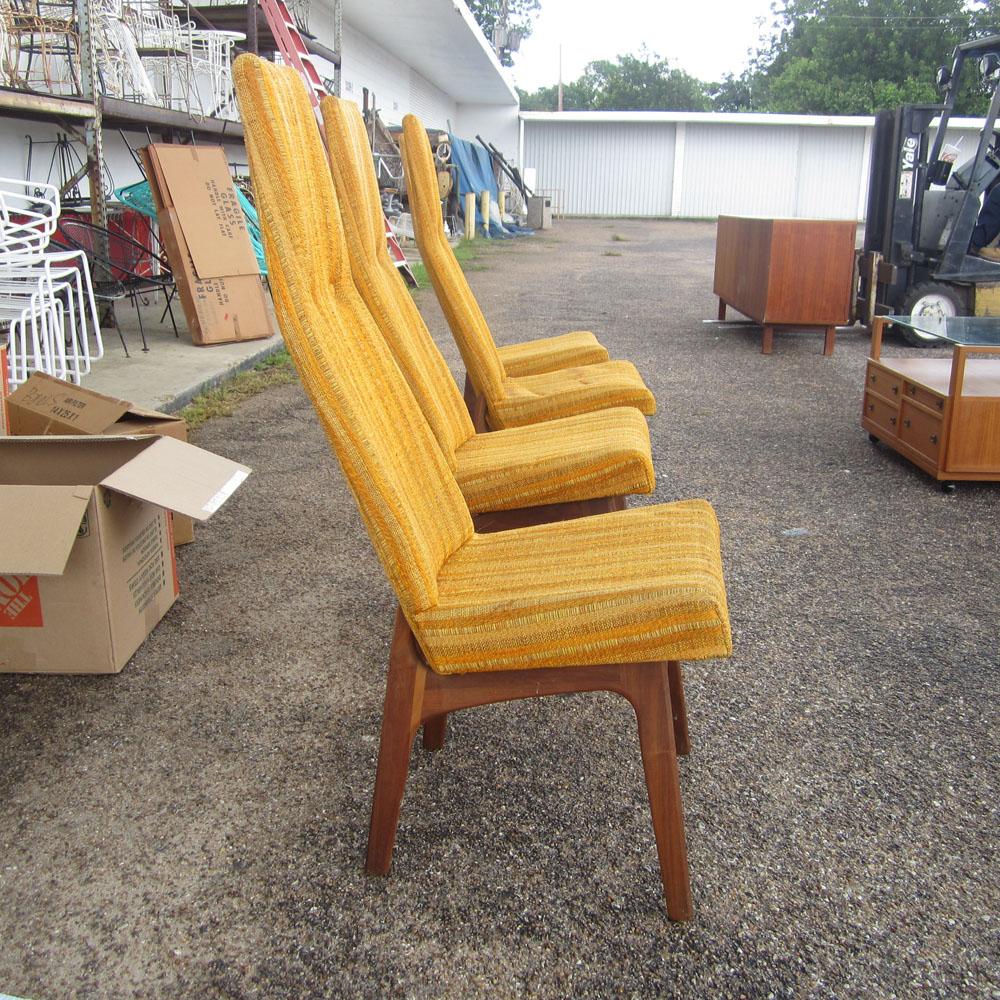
(380, 283)
(468, 325)
(409, 500)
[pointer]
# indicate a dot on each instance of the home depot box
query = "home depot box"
(47, 405)
(86, 561)
(205, 235)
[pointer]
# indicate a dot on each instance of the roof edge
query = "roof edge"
(721, 118)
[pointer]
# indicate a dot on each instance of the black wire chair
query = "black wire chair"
(121, 268)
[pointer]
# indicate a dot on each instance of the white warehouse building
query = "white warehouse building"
(699, 165)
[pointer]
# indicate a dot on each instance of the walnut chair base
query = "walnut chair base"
(523, 517)
(416, 696)
(475, 403)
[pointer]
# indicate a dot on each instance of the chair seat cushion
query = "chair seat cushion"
(634, 586)
(549, 354)
(600, 454)
(531, 398)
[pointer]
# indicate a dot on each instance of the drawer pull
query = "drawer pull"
(892, 420)
(934, 439)
(871, 407)
(912, 390)
(895, 390)
(906, 422)
(940, 404)
(873, 376)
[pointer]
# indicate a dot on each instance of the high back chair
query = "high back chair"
(598, 603)
(495, 395)
(584, 464)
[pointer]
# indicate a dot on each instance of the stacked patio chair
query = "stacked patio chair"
(46, 295)
(523, 383)
(611, 602)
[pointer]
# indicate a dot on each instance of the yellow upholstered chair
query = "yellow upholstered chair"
(496, 396)
(590, 460)
(598, 603)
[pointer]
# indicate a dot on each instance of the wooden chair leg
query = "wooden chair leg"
(434, 732)
(828, 340)
(476, 405)
(404, 694)
(650, 696)
(682, 741)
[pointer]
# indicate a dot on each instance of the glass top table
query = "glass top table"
(966, 331)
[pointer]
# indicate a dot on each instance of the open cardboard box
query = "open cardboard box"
(86, 557)
(207, 243)
(47, 405)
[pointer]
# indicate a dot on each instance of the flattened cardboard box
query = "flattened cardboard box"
(208, 246)
(86, 560)
(47, 405)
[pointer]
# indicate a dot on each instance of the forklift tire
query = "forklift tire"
(931, 298)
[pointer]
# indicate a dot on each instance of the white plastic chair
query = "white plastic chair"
(43, 290)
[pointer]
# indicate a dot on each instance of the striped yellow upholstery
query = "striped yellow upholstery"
(549, 354)
(411, 505)
(644, 584)
(636, 586)
(380, 284)
(580, 458)
(508, 402)
(573, 390)
(599, 454)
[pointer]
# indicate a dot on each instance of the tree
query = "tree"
(631, 83)
(643, 83)
(489, 13)
(856, 57)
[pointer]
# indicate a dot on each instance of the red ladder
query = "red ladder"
(294, 52)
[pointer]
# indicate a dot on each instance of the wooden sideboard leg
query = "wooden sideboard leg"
(722, 309)
(767, 345)
(831, 333)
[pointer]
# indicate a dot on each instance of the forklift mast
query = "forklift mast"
(905, 164)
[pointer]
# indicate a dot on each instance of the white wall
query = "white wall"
(398, 88)
(14, 153)
(702, 166)
(498, 124)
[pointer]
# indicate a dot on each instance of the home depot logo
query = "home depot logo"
(20, 605)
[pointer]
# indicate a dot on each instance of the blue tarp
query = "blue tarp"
(475, 174)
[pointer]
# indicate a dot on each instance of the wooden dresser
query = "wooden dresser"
(943, 414)
(786, 273)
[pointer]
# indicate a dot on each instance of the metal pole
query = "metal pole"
(252, 43)
(94, 136)
(338, 43)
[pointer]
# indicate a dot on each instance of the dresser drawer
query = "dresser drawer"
(884, 414)
(886, 383)
(920, 430)
(923, 395)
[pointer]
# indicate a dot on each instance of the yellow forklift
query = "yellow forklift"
(921, 211)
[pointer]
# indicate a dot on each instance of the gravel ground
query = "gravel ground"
(195, 826)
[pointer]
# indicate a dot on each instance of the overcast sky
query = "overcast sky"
(706, 38)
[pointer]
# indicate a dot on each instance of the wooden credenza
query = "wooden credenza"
(943, 414)
(786, 273)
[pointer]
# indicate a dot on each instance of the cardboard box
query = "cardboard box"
(204, 232)
(86, 559)
(4, 375)
(47, 405)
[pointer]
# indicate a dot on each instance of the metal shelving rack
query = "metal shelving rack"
(89, 115)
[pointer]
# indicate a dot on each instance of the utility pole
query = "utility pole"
(560, 106)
